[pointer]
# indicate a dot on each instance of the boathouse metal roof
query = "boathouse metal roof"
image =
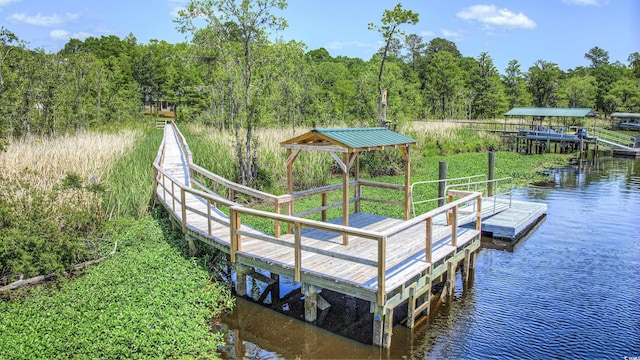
(350, 139)
(625, 115)
(553, 112)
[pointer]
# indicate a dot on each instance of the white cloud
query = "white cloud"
(337, 45)
(6, 2)
(427, 33)
(66, 35)
(44, 21)
(451, 34)
(490, 15)
(176, 6)
(583, 2)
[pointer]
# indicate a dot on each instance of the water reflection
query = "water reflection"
(570, 289)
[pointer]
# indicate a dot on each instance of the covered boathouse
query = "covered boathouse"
(543, 134)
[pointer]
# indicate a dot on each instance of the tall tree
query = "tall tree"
(489, 99)
(247, 23)
(634, 64)
(514, 83)
(578, 91)
(391, 20)
(439, 44)
(443, 78)
(415, 46)
(543, 80)
(597, 56)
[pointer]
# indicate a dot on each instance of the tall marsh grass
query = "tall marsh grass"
(52, 193)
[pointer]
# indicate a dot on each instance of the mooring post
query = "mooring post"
(492, 168)
(310, 293)
(442, 183)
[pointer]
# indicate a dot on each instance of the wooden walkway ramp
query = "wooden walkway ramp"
(383, 260)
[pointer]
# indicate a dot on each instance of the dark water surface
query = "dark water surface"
(569, 290)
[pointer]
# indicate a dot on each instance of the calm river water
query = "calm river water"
(571, 289)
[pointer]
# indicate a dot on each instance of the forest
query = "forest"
(231, 75)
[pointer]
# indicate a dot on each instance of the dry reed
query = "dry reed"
(44, 162)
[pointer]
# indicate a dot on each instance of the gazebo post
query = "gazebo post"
(345, 196)
(357, 190)
(407, 180)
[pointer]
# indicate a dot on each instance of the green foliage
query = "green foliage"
(46, 231)
(147, 302)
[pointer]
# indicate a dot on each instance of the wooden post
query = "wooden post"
(234, 225)
(209, 216)
(345, 197)
(428, 239)
(479, 214)
(449, 289)
(298, 253)
(466, 267)
(492, 167)
(241, 279)
(275, 291)
(323, 204)
(411, 311)
(382, 269)
(183, 198)
(442, 184)
(388, 328)
(193, 250)
(358, 189)
(407, 180)
(173, 195)
(277, 223)
(310, 302)
(454, 226)
(378, 324)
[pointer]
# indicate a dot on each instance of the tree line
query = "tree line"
(233, 75)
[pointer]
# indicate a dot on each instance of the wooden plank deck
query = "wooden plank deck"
(323, 255)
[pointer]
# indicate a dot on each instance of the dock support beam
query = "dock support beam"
(310, 293)
(382, 326)
(449, 289)
(241, 279)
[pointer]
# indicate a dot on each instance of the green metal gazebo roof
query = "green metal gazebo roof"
(553, 112)
(351, 139)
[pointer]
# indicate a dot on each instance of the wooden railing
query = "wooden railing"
(451, 209)
(357, 185)
(174, 192)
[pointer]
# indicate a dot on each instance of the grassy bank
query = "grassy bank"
(150, 300)
(147, 301)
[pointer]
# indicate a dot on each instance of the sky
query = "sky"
(558, 31)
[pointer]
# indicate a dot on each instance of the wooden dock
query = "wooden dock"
(388, 262)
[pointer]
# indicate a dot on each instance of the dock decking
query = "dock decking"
(389, 262)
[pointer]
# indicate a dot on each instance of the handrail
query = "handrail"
(237, 212)
(175, 198)
(496, 189)
(613, 136)
(413, 203)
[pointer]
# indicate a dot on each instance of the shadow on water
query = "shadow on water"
(568, 288)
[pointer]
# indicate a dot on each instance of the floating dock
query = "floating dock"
(513, 222)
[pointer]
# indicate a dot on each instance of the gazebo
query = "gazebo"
(345, 146)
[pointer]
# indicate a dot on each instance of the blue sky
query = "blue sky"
(559, 31)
